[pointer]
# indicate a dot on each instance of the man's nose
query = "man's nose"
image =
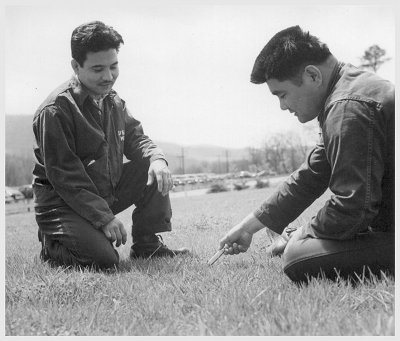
(107, 75)
(283, 105)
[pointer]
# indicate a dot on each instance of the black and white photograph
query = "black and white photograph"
(199, 168)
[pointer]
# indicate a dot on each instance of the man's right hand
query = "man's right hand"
(115, 231)
(237, 240)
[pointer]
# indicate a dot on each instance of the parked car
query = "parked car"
(246, 174)
(178, 182)
(13, 194)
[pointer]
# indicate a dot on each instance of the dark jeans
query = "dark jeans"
(68, 239)
(370, 252)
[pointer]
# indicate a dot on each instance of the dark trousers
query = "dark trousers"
(69, 239)
(368, 253)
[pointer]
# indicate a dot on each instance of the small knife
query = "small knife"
(214, 258)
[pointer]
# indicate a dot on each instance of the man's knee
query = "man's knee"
(311, 257)
(68, 239)
(101, 257)
(105, 258)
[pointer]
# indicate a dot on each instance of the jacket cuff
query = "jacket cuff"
(265, 219)
(158, 157)
(104, 220)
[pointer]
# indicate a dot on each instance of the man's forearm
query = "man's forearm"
(297, 192)
(251, 224)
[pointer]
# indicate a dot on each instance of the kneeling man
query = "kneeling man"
(82, 132)
(354, 231)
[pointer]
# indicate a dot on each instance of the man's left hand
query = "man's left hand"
(159, 171)
(279, 245)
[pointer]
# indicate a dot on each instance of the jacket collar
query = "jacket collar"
(80, 92)
(336, 74)
(334, 77)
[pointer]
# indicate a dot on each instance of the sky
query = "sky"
(185, 65)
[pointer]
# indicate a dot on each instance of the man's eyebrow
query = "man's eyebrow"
(100, 65)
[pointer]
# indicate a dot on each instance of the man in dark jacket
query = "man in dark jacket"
(354, 231)
(82, 131)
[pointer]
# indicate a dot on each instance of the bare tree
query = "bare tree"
(256, 157)
(285, 152)
(274, 152)
(373, 58)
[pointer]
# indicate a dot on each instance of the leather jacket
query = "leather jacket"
(354, 159)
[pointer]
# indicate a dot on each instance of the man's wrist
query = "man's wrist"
(251, 224)
(111, 218)
(158, 157)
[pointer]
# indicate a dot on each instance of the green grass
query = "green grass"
(247, 294)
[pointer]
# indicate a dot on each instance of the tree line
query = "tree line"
(280, 153)
(18, 169)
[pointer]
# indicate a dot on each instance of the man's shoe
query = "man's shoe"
(154, 248)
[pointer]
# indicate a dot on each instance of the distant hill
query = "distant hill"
(19, 141)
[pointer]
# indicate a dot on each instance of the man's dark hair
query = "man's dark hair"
(94, 36)
(286, 54)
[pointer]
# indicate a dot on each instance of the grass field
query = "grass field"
(247, 294)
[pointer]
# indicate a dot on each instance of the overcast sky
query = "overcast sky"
(185, 65)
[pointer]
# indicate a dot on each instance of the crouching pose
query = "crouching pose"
(354, 232)
(82, 131)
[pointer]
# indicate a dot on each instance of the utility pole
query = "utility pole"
(182, 157)
(227, 160)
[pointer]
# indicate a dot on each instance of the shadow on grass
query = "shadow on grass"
(152, 265)
(229, 265)
(147, 266)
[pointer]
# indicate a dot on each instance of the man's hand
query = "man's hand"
(159, 170)
(236, 240)
(279, 245)
(115, 231)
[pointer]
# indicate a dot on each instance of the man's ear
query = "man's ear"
(75, 66)
(313, 75)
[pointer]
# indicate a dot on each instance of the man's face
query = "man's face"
(99, 71)
(303, 100)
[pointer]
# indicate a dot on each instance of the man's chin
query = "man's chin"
(103, 91)
(302, 119)
(105, 88)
